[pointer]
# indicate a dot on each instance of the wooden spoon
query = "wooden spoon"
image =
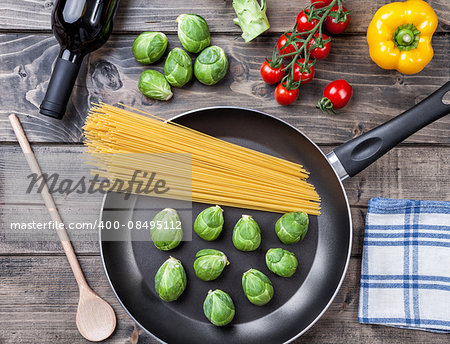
(96, 319)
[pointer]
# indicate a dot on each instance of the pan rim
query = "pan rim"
(350, 242)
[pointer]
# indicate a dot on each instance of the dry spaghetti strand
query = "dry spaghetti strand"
(220, 172)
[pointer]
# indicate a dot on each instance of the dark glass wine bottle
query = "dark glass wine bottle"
(80, 26)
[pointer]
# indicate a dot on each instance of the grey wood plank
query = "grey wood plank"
(39, 300)
(407, 172)
(142, 15)
(10, 246)
(111, 74)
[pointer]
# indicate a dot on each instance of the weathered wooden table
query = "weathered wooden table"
(38, 294)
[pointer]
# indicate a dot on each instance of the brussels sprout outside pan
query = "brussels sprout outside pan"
(298, 301)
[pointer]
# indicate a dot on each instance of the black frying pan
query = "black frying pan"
(323, 255)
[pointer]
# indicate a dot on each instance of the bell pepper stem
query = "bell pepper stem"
(406, 37)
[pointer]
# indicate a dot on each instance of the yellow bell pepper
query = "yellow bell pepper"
(399, 36)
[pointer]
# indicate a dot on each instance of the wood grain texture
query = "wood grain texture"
(10, 246)
(111, 74)
(40, 297)
(144, 15)
(406, 172)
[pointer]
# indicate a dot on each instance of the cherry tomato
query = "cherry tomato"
(319, 52)
(305, 77)
(321, 3)
(303, 24)
(284, 96)
(290, 48)
(336, 95)
(270, 74)
(334, 26)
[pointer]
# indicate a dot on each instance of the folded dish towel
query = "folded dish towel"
(405, 273)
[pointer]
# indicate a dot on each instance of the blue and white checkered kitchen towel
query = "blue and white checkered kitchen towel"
(405, 273)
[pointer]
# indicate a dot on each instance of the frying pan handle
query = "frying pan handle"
(355, 155)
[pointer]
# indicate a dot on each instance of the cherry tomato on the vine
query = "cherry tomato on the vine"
(284, 96)
(290, 48)
(270, 74)
(319, 52)
(304, 76)
(336, 95)
(303, 24)
(320, 3)
(333, 26)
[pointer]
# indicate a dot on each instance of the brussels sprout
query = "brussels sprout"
(193, 32)
(211, 65)
(166, 230)
(178, 68)
(246, 234)
(281, 262)
(153, 84)
(257, 287)
(292, 227)
(218, 307)
(170, 280)
(210, 264)
(148, 47)
(209, 223)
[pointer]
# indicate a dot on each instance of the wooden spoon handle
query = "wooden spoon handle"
(49, 202)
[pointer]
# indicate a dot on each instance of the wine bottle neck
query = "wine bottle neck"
(59, 88)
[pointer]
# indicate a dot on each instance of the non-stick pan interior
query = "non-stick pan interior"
(297, 302)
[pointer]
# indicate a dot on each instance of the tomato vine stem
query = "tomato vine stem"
(300, 41)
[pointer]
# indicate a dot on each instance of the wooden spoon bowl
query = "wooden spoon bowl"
(96, 319)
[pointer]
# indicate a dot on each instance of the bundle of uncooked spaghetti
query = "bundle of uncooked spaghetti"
(223, 173)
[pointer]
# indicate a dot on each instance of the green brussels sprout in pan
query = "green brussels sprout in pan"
(211, 65)
(210, 264)
(246, 234)
(193, 32)
(148, 47)
(257, 287)
(209, 223)
(170, 280)
(166, 230)
(281, 262)
(219, 307)
(178, 67)
(153, 84)
(292, 227)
